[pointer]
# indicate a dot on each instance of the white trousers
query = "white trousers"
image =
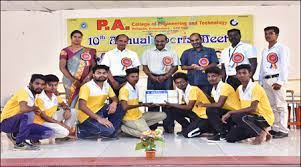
(60, 131)
(278, 104)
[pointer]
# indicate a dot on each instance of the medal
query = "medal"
(126, 62)
(273, 59)
(237, 58)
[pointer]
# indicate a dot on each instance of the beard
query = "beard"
(100, 79)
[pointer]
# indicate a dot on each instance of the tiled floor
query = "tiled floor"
(174, 147)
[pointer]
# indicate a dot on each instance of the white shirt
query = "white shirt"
(245, 50)
(113, 59)
(247, 93)
(48, 102)
(278, 66)
(31, 99)
(133, 91)
(216, 92)
(155, 58)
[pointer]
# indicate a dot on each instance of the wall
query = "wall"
(31, 41)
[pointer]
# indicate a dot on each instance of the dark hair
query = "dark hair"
(234, 30)
(76, 32)
(244, 66)
(100, 67)
(195, 33)
(214, 70)
(274, 28)
(161, 35)
(51, 78)
(36, 76)
(120, 35)
(180, 75)
(131, 70)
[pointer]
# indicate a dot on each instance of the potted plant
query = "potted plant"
(147, 142)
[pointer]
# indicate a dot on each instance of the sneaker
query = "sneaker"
(180, 133)
(25, 146)
(280, 135)
(11, 137)
(272, 132)
(216, 138)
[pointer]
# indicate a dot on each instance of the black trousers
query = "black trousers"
(194, 127)
(246, 126)
(214, 117)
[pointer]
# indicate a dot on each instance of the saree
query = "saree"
(79, 65)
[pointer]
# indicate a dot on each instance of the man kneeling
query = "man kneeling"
(60, 121)
(255, 115)
(93, 112)
(198, 123)
(135, 122)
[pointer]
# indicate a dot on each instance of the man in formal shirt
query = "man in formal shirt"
(196, 60)
(159, 64)
(236, 54)
(273, 76)
(118, 60)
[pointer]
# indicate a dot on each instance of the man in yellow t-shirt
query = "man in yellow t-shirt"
(18, 114)
(134, 121)
(60, 120)
(224, 99)
(255, 115)
(198, 123)
(93, 111)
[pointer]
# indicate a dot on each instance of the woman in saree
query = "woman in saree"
(76, 62)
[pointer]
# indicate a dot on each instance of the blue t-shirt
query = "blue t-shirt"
(191, 56)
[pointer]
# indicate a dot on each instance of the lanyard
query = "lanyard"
(231, 55)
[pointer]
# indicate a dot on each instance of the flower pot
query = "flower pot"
(150, 154)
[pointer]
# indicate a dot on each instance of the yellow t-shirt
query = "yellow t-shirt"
(130, 95)
(193, 93)
(94, 96)
(223, 89)
(12, 107)
(49, 106)
(254, 92)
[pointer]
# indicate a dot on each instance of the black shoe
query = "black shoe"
(169, 130)
(25, 146)
(11, 137)
(272, 132)
(180, 133)
(216, 138)
(280, 135)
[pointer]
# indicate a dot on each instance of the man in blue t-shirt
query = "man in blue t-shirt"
(196, 60)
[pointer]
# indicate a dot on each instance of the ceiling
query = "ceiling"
(49, 6)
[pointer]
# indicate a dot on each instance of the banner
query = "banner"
(100, 33)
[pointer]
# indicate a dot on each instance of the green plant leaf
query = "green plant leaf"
(139, 146)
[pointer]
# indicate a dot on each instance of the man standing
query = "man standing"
(273, 76)
(236, 54)
(134, 121)
(93, 112)
(159, 63)
(196, 60)
(18, 115)
(118, 60)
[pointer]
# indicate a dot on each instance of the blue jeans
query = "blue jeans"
(91, 128)
(22, 125)
(168, 123)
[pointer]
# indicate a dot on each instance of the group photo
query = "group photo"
(97, 87)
